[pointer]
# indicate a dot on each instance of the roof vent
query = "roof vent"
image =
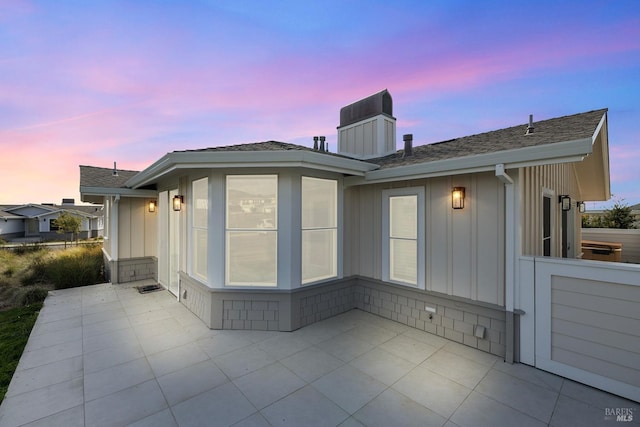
(530, 127)
(322, 139)
(115, 171)
(315, 143)
(408, 145)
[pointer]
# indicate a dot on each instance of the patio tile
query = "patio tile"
(305, 407)
(40, 403)
(459, 369)
(116, 378)
(73, 417)
(481, 411)
(47, 316)
(255, 420)
(266, 385)
(164, 341)
(102, 316)
(54, 353)
(351, 422)
(222, 406)
(163, 418)
(149, 316)
(176, 358)
(349, 388)
(526, 397)
(470, 353)
(223, 343)
(105, 326)
(569, 412)
(100, 307)
(409, 349)
(111, 356)
(26, 380)
(52, 338)
(382, 365)
(152, 329)
(126, 406)
(317, 332)
(283, 345)
(243, 361)
(426, 337)
(432, 391)
(530, 374)
(189, 382)
(372, 334)
(119, 338)
(394, 409)
(311, 363)
(594, 397)
(42, 327)
(345, 347)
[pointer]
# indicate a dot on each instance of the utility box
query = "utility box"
(601, 251)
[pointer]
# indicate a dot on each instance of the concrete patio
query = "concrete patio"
(106, 355)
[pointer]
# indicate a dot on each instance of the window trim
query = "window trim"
(227, 231)
(420, 235)
(205, 229)
(333, 228)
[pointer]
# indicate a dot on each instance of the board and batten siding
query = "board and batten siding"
(561, 180)
(595, 326)
(464, 249)
(137, 229)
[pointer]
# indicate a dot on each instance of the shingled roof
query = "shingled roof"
(91, 176)
(560, 129)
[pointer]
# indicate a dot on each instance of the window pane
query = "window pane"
(403, 217)
(319, 200)
(252, 202)
(403, 259)
(200, 202)
(252, 258)
(318, 255)
(200, 246)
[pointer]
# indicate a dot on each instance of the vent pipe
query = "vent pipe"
(115, 171)
(315, 143)
(530, 127)
(322, 139)
(408, 145)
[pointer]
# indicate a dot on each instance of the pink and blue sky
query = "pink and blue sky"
(93, 82)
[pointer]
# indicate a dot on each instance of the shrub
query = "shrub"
(27, 248)
(34, 296)
(9, 271)
(81, 267)
(36, 273)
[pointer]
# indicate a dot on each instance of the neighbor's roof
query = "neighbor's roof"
(91, 176)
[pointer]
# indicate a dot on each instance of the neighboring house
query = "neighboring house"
(38, 221)
(277, 236)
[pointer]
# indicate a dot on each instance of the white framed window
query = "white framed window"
(403, 236)
(199, 228)
(319, 247)
(251, 230)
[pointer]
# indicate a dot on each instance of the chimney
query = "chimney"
(322, 139)
(315, 143)
(408, 145)
(530, 127)
(115, 171)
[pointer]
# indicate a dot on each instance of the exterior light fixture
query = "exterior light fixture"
(152, 206)
(177, 203)
(565, 201)
(582, 207)
(457, 198)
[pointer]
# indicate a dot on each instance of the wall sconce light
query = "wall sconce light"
(457, 198)
(177, 202)
(565, 201)
(152, 206)
(582, 207)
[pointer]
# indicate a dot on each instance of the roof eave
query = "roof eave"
(91, 194)
(562, 152)
(248, 159)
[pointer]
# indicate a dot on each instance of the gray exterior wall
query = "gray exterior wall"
(130, 270)
(252, 309)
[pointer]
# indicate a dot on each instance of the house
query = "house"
(38, 221)
(276, 236)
